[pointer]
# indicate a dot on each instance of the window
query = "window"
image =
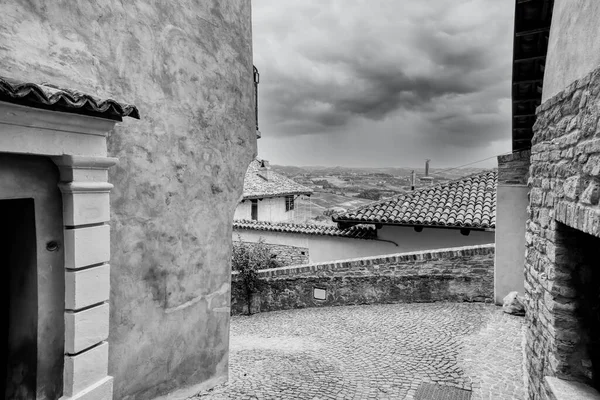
(254, 210)
(289, 203)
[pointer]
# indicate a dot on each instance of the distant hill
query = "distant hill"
(351, 187)
(316, 171)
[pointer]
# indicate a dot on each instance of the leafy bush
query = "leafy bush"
(247, 259)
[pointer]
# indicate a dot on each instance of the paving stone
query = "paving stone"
(382, 351)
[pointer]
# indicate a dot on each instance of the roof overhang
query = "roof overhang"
(342, 224)
(530, 45)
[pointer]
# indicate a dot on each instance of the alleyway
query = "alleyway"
(374, 352)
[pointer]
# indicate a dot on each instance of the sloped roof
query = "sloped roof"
(355, 232)
(257, 186)
(469, 202)
(50, 97)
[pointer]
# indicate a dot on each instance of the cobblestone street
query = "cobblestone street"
(374, 352)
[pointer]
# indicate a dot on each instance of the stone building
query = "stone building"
(128, 292)
(269, 196)
(556, 139)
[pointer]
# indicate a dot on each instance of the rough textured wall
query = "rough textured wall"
(565, 188)
(188, 67)
(573, 46)
(285, 255)
(513, 169)
(460, 274)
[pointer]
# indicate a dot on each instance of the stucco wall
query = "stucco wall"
(269, 209)
(431, 238)
(188, 68)
(458, 274)
(320, 248)
(511, 213)
(329, 248)
(573, 47)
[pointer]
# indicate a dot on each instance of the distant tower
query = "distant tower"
(427, 180)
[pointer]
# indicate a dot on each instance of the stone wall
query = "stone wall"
(457, 274)
(286, 255)
(187, 66)
(513, 169)
(564, 191)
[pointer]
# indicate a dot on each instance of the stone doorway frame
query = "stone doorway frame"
(77, 145)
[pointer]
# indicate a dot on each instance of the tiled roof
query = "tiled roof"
(257, 186)
(66, 100)
(355, 232)
(469, 202)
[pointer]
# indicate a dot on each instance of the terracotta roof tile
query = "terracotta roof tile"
(256, 185)
(355, 232)
(469, 202)
(66, 100)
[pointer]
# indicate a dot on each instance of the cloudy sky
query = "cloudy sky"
(383, 82)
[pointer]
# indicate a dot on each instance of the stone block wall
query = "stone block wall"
(513, 169)
(563, 204)
(456, 274)
(285, 255)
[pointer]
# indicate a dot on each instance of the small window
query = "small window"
(254, 209)
(289, 203)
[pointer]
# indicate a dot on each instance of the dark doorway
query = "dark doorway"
(18, 250)
(577, 281)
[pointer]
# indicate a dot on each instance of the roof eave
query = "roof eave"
(356, 222)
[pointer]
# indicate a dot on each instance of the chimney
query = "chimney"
(412, 180)
(428, 180)
(265, 170)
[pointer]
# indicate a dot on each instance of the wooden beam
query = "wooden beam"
(532, 31)
(528, 100)
(528, 81)
(522, 60)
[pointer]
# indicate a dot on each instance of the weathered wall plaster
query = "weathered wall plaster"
(458, 274)
(188, 68)
(573, 46)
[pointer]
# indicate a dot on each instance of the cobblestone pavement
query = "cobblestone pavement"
(374, 352)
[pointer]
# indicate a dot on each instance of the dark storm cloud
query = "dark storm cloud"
(325, 64)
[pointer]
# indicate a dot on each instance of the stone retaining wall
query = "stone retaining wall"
(456, 274)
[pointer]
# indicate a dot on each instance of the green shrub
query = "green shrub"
(247, 259)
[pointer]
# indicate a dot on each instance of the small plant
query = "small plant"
(247, 259)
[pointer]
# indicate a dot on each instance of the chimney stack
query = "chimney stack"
(412, 180)
(265, 170)
(427, 179)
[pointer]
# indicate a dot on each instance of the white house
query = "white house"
(268, 196)
(457, 213)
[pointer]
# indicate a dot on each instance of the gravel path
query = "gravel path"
(374, 352)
